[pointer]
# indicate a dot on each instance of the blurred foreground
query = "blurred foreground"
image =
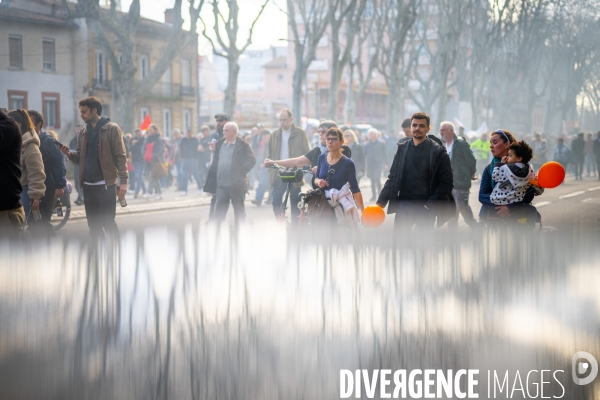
(215, 313)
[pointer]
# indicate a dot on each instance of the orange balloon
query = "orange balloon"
(373, 216)
(551, 175)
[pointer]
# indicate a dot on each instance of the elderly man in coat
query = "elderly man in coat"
(227, 178)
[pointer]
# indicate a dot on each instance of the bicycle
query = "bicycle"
(56, 221)
(290, 176)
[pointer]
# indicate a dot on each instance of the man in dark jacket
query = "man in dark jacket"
(577, 148)
(138, 146)
(12, 216)
(375, 160)
(464, 167)
(188, 151)
(56, 180)
(419, 186)
(227, 177)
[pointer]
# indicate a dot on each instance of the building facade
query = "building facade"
(37, 65)
(48, 63)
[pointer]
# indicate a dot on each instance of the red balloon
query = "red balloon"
(373, 216)
(551, 175)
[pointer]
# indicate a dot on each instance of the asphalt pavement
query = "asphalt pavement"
(572, 205)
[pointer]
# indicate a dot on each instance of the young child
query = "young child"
(513, 174)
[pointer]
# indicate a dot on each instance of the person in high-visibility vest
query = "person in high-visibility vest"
(481, 150)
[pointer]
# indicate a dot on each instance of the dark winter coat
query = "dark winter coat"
(243, 161)
(486, 187)
(54, 163)
(10, 163)
(463, 164)
(440, 184)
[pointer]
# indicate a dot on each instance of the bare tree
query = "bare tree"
(570, 57)
(348, 18)
(307, 22)
(484, 25)
(394, 67)
(369, 38)
(435, 45)
(227, 44)
(111, 24)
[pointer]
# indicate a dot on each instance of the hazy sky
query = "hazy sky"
(271, 26)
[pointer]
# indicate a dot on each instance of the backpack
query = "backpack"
(148, 154)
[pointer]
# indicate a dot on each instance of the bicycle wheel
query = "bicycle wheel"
(59, 222)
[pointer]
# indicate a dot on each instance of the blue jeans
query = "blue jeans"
(190, 168)
(25, 200)
(139, 178)
(263, 184)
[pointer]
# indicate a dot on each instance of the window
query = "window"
(100, 68)
(120, 58)
(185, 73)
(167, 122)
(15, 50)
(49, 55)
(187, 118)
(143, 112)
(279, 77)
(143, 66)
(17, 99)
(51, 109)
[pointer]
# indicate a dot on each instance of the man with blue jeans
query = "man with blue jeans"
(137, 159)
(188, 150)
(289, 141)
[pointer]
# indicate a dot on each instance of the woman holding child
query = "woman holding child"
(505, 193)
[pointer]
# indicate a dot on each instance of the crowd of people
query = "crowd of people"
(429, 177)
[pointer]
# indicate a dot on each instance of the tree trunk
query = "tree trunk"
(350, 103)
(231, 89)
(334, 91)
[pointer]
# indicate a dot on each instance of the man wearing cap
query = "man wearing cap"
(188, 150)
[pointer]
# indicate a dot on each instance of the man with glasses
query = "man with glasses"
(288, 141)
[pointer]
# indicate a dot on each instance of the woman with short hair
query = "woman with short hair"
(336, 174)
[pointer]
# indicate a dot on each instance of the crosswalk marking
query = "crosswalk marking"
(542, 204)
(567, 196)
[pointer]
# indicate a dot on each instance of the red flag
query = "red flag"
(144, 126)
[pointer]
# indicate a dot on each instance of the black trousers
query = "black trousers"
(413, 213)
(224, 196)
(43, 228)
(100, 209)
